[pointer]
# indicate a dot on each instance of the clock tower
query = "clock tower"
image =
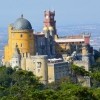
(49, 20)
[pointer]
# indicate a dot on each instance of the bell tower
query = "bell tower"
(49, 20)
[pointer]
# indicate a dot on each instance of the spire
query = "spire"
(21, 15)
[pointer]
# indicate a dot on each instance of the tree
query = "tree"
(23, 85)
(79, 70)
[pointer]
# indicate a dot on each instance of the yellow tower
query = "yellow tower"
(84, 50)
(20, 34)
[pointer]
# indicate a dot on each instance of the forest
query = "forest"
(23, 85)
(17, 84)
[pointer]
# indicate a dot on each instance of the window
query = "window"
(26, 54)
(16, 45)
(21, 35)
(21, 45)
(38, 64)
(23, 54)
(38, 70)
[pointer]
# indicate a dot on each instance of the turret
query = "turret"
(84, 50)
(51, 30)
(52, 42)
(87, 38)
(49, 20)
(16, 58)
(86, 56)
(41, 68)
(47, 40)
(46, 32)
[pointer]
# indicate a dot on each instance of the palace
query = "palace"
(45, 53)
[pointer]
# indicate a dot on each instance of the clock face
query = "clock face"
(47, 17)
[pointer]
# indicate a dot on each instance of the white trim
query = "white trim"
(69, 40)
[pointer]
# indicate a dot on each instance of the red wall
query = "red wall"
(87, 39)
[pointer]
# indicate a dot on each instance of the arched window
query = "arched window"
(23, 54)
(16, 45)
(26, 54)
(38, 64)
(21, 35)
(21, 45)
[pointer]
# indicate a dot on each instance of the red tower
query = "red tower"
(49, 19)
(87, 38)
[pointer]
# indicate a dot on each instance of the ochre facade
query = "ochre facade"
(23, 39)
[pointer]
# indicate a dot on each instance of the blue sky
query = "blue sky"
(68, 12)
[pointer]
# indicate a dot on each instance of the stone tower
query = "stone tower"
(52, 42)
(87, 38)
(49, 41)
(41, 68)
(86, 56)
(15, 61)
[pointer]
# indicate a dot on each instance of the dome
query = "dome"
(22, 24)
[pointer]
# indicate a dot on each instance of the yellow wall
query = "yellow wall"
(23, 38)
(51, 76)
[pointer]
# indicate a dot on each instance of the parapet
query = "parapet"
(40, 57)
(86, 34)
(49, 12)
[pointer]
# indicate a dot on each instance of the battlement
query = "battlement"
(86, 34)
(49, 12)
(40, 57)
